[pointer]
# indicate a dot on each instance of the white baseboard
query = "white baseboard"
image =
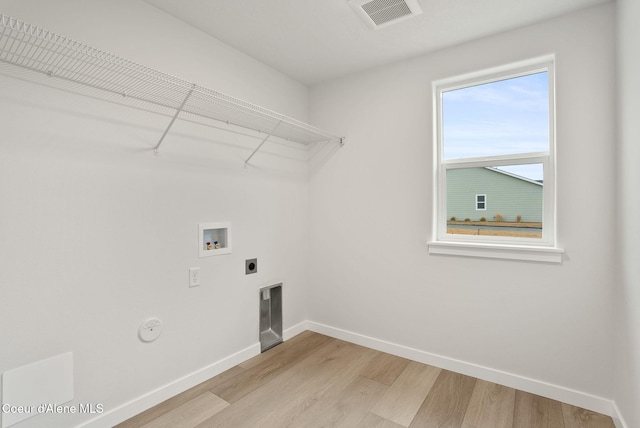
(566, 395)
(618, 420)
(556, 392)
(295, 330)
(140, 404)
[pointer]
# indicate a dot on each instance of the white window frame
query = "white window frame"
(484, 201)
(543, 249)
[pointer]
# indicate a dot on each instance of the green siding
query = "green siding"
(506, 195)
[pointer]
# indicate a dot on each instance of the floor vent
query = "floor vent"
(380, 13)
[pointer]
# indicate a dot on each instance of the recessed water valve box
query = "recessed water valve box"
(214, 239)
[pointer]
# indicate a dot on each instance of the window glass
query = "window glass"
(495, 178)
(497, 118)
(511, 205)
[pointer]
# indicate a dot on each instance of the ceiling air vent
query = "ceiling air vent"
(380, 13)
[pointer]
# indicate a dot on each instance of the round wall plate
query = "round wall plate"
(150, 329)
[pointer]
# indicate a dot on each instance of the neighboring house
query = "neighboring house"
(473, 193)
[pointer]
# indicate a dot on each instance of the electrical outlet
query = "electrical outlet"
(194, 277)
(250, 266)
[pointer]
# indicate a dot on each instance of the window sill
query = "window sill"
(497, 251)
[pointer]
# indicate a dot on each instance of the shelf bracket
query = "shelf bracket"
(173, 119)
(263, 141)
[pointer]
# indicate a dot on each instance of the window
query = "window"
(495, 141)
(481, 202)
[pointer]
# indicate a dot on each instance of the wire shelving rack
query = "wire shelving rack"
(40, 55)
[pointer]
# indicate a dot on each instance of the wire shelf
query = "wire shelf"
(40, 55)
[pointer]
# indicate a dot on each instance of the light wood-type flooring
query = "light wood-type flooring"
(313, 381)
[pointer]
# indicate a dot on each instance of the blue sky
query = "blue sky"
(504, 117)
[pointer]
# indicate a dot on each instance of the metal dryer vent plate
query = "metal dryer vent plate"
(380, 13)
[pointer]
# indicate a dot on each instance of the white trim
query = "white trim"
(484, 202)
(547, 158)
(497, 160)
(157, 396)
(545, 389)
(497, 251)
(295, 330)
(618, 420)
(494, 74)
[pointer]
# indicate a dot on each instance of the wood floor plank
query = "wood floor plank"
(491, 406)
(405, 396)
(191, 413)
(316, 380)
(446, 403)
(386, 368)
(357, 399)
(375, 421)
(344, 409)
(178, 400)
(320, 394)
(310, 375)
(270, 367)
(534, 411)
(576, 417)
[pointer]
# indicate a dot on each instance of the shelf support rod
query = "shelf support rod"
(173, 119)
(263, 141)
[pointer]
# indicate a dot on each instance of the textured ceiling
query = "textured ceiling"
(316, 40)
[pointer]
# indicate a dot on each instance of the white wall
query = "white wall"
(627, 328)
(97, 234)
(371, 215)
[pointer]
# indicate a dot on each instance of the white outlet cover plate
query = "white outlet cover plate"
(194, 277)
(150, 329)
